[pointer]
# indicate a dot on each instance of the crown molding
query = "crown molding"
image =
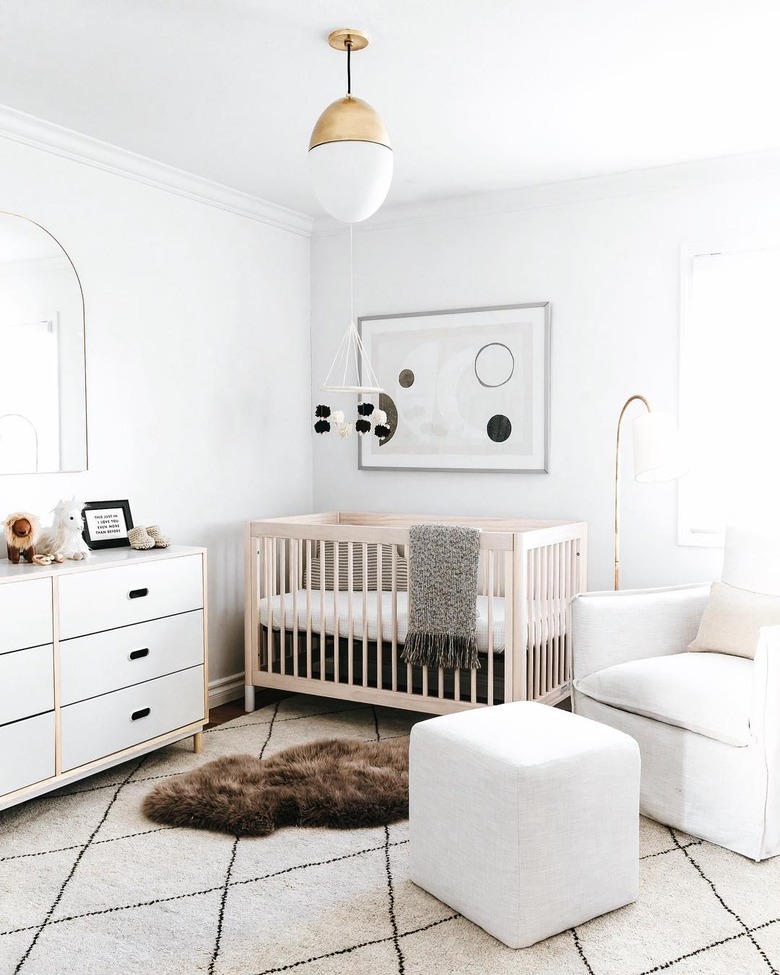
(32, 131)
(754, 165)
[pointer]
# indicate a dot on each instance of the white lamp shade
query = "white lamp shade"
(657, 451)
(350, 178)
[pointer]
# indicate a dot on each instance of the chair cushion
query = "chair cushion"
(707, 693)
(732, 619)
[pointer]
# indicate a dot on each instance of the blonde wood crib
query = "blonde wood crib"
(326, 611)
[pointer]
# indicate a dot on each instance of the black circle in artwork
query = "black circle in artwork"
(499, 428)
(406, 378)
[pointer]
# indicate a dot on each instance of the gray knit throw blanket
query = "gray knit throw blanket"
(443, 566)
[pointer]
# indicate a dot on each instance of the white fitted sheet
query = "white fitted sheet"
(548, 625)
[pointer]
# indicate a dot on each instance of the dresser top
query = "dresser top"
(96, 560)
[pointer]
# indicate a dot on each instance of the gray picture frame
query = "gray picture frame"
(525, 324)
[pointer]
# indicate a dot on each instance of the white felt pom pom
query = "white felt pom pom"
(344, 429)
(337, 416)
(379, 417)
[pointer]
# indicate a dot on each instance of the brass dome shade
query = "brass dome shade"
(349, 119)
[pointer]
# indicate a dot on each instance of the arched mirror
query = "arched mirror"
(43, 408)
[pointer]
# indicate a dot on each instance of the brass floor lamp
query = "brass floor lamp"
(657, 456)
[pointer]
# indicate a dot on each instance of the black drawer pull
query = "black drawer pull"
(144, 712)
(137, 654)
(138, 593)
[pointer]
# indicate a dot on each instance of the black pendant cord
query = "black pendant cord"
(349, 67)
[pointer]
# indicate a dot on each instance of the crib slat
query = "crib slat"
(562, 604)
(490, 588)
(308, 608)
(294, 568)
(365, 613)
(269, 605)
(394, 612)
(550, 617)
(379, 633)
(513, 649)
(336, 607)
(425, 669)
(282, 606)
(533, 595)
(409, 673)
(572, 588)
(557, 612)
(351, 615)
(546, 648)
(322, 610)
(482, 574)
(535, 606)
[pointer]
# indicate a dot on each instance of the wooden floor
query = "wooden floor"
(234, 709)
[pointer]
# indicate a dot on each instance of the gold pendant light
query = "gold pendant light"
(350, 156)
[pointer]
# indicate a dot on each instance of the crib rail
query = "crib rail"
(327, 610)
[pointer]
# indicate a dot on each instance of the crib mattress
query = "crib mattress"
(548, 624)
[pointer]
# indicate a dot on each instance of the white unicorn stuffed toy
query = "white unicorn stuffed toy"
(64, 536)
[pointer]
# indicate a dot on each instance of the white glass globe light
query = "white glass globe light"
(350, 160)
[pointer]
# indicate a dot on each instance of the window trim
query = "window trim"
(687, 533)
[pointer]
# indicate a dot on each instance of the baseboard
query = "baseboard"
(226, 689)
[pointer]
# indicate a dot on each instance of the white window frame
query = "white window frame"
(688, 533)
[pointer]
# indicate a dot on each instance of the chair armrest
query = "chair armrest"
(611, 628)
(765, 700)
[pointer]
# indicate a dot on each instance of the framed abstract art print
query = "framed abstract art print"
(463, 390)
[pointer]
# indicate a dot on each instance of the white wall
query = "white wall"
(197, 335)
(611, 269)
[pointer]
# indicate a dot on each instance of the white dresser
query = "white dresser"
(100, 661)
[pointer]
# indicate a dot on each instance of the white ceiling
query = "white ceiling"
(478, 95)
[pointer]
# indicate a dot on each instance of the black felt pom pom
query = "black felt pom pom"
(362, 426)
(322, 410)
(382, 430)
(365, 409)
(322, 426)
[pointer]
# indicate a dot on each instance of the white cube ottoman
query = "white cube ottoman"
(524, 818)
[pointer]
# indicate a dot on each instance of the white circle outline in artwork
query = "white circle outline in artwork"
(510, 364)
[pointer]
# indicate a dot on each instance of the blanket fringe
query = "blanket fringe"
(441, 650)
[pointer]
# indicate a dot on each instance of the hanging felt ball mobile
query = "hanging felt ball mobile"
(363, 426)
(382, 430)
(322, 426)
(365, 409)
(322, 411)
(344, 429)
(380, 417)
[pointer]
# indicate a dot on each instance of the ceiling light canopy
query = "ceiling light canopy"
(350, 156)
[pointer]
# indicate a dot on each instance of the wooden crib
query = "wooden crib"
(326, 611)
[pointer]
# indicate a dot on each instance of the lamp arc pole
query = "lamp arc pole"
(631, 399)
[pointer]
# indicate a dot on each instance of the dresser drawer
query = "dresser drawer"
(102, 662)
(27, 750)
(107, 724)
(102, 600)
(25, 614)
(26, 684)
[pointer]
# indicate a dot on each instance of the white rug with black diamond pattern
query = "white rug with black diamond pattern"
(87, 885)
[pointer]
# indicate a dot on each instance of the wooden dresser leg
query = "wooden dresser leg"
(197, 743)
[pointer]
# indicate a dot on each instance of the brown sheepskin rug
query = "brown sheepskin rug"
(335, 782)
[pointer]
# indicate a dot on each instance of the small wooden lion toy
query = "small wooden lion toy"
(22, 531)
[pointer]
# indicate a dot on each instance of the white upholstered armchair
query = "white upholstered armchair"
(708, 724)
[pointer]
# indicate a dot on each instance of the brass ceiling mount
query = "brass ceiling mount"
(341, 40)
